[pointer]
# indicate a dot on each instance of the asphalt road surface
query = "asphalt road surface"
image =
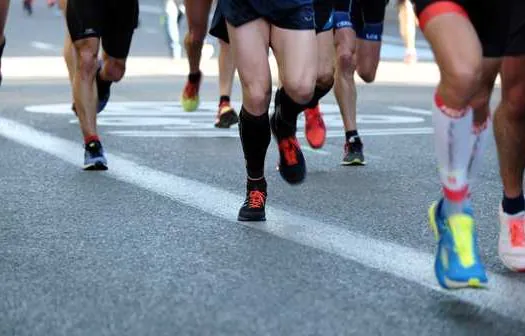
(152, 246)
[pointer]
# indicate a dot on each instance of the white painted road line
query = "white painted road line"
(181, 133)
(506, 296)
(45, 46)
(410, 110)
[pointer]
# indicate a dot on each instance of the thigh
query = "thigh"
(295, 48)
(250, 47)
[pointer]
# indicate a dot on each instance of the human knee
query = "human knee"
(346, 61)
(514, 99)
(87, 61)
(367, 73)
(325, 78)
(301, 90)
(256, 97)
(114, 69)
(462, 80)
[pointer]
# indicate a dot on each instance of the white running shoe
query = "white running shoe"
(511, 246)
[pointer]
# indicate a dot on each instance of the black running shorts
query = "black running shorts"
(113, 21)
(516, 34)
(285, 14)
(324, 10)
(489, 18)
(365, 17)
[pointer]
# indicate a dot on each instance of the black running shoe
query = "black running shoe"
(353, 153)
(253, 208)
(226, 116)
(94, 158)
(292, 165)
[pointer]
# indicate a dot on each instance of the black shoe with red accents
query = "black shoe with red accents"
(292, 165)
(253, 208)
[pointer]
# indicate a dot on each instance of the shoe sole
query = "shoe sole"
(98, 166)
(442, 279)
(250, 219)
(355, 162)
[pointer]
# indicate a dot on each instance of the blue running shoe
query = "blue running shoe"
(103, 90)
(458, 264)
(94, 158)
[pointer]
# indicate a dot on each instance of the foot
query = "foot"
(94, 158)
(458, 264)
(353, 153)
(226, 116)
(253, 208)
(292, 165)
(315, 129)
(511, 244)
(190, 96)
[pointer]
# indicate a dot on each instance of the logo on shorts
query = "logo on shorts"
(89, 31)
(308, 18)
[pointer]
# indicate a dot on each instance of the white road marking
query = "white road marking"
(181, 133)
(506, 296)
(44, 46)
(410, 110)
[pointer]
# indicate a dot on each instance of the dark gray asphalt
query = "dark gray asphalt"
(87, 254)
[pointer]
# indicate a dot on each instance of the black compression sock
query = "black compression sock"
(513, 206)
(255, 139)
(194, 78)
(318, 94)
(351, 134)
(224, 99)
(286, 112)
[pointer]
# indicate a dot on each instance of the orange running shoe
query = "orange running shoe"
(190, 96)
(314, 127)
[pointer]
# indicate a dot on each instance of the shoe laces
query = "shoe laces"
(256, 199)
(289, 147)
(517, 232)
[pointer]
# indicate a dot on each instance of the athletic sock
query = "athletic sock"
(194, 78)
(91, 138)
(286, 112)
(351, 134)
(224, 100)
(512, 206)
(255, 138)
(452, 129)
(318, 94)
